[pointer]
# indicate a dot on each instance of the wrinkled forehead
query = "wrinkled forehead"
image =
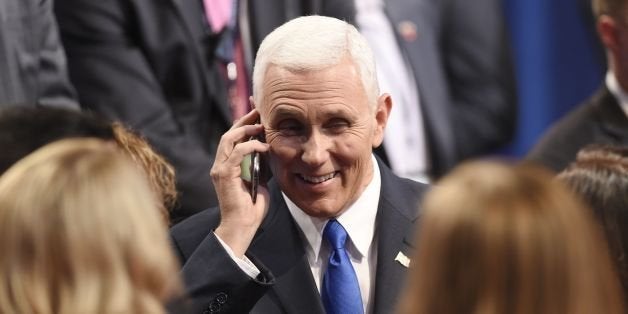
(339, 83)
(338, 76)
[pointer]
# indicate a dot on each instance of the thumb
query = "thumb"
(263, 199)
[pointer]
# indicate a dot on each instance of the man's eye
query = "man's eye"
(337, 125)
(290, 127)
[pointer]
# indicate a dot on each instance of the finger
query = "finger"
(249, 118)
(262, 199)
(243, 149)
(241, 134)
(235, 136)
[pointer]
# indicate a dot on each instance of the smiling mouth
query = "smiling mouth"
(318, 179)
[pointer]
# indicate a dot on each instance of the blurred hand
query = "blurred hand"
(240, 218)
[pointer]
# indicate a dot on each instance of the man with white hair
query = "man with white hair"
(329, 233)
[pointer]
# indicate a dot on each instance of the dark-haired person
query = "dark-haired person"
(599, 175)
(24, 129)
(603, 118)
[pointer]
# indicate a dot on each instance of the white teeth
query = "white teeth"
(318, 179)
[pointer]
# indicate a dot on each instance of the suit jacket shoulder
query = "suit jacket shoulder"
(598, 120)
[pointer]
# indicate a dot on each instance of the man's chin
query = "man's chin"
(319, 209)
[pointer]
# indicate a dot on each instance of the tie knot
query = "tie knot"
(335, 234)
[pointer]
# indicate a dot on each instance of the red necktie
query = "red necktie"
(220, 13)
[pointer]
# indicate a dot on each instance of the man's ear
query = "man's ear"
(382, 112)
(255, 107)
(608, 32)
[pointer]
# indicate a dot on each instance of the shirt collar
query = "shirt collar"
(615, 89)
(358, 220)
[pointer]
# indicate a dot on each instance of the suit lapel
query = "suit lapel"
(612, 118)
(280, 247)
(395, 227)
(192, 17)
(423, 55)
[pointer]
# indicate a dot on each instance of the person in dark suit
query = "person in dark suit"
(145, 63)
(153, 65)
(32, 62)
(316, 94)
(448, 67)
(602, 119)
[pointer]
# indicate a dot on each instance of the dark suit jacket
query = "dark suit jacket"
(462, 64)
(215, 283)
(599, 120)
(146, 63)
(463, 69)
(151, 65)
(32, 62)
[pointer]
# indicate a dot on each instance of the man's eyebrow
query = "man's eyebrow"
(337, 112)
(282, 111)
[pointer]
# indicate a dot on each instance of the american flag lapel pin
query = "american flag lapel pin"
(403, 259)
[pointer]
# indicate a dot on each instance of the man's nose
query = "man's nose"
(315, 149)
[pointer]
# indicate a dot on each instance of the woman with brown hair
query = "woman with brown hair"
(80, 233)
(25, 129)
(508, 239)
(160, 173)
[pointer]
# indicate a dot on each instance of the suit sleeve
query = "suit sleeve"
(53, 84)
(215, 283)
(478, 63)
(560, 144)
(114, 77)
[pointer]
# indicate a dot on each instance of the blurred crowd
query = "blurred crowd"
(127, 182)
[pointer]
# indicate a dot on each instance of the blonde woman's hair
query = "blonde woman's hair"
(80, 233)
(508, 239)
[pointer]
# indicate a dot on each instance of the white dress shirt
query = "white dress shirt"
(615, 89)
(404, 136)
(359, 222)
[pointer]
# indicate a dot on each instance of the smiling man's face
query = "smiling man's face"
(321, 131)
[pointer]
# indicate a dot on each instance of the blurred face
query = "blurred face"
(613, 31)
(321, 131)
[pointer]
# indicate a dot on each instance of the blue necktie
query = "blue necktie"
(340, 291)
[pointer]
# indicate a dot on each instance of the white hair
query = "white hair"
(311, 43)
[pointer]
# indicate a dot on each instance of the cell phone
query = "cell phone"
(253, 170)
(255, 175)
